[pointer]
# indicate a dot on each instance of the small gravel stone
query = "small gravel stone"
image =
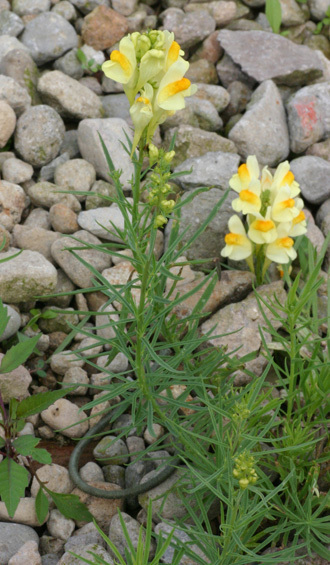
(93, 221)
(85, 552)
(75, 174)
(313, 175)
(8, 43)
(10, 23)
(102, 509)
(7, 122)
(70, 65)
(38, 218)
(91, 472)
(48, 36)
(64, 413)
(16, 171)
(76, 375)
(27, 7)
(69, 97)
(169, 506)
(212, 169)
(56, 476)
(189, 29)
(15, 384)
(59, 526)
(116, 535)
(85, 535)
(12, 204)
(39, 134)
(13, 323)
(47, 194)
(28, 554)
(111, 450)
(158, 432)
(103, 27)
(66, 10)
(13, 537)
(35, 239)
(165, 529)
(62, 362)
(63, 219)
(114, 474)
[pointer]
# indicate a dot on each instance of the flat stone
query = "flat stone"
(215, 168)
(35, 239)
(28, 554)
(103, 27)
(12, 204)
(293, 65)
(309, 116)
(313, 175)
(262, 131)
(112, 132)
(189, 29)
(26, 276)
(48, 36)
(64, 413)
(93, 221)
(215, 94)
(14, 384)
(76, 271)
(13, 537)
(39, 135)
(68, 97)
(14, 94)
(244, 318)
(47, 194)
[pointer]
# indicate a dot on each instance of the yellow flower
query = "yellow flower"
(141, 113)
(122, 67)
(247, 176)
(249, 201)
(299, 225)
(238, 246)
(173, 88)
(285, 208)
(262, 229)
(284, 177)
(281, 250)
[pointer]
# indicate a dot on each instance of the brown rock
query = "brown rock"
(102, 509)
(63, 219)
(211, 49)
(103, 27)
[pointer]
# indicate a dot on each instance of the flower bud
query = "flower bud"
(160, 220)
(168, 157)
(153, 152)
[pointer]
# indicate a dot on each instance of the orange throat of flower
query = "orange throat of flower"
(234, 239)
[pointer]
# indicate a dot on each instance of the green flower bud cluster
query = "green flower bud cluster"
(159, 185)
(244, 470)
(144, 42)
(240, 412)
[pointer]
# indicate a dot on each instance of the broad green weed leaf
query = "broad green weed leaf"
(18, 354)
(13, 481)
(39, 402)
(26, 445)
(42, 506)
(273, 13)
(70, 506)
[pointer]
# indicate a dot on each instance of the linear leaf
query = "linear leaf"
(13, 481)
(35, 404)
(18, 354)
(42, 506)
(273, 13)
(4, 318)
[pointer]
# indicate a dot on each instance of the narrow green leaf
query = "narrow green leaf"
(26, 445)
(70, 506)
(13, 481)
(42, 506)
(39, 402)
(2, 442)
(273, 13)
(18, 354)
(4, 318)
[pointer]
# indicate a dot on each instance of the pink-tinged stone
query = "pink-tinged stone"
(103, 27)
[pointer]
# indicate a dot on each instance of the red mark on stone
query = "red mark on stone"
(307, 115)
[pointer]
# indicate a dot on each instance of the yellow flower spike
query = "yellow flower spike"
(141, 114)
(281, 250)
(151, 64)
(262, 229)
(238, 246)
(249, 201)
(299, 225)
(173, 87)
(246, 176)
(122, 64)
(285, 208)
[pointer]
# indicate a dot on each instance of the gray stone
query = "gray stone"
(14, 384)
(292, 14)
(86, 7)
(318, 8)
(309, 116)
(93, 220)
(75, 175)
(16, 171)
(68, 97)
(111, 450)
(189, 29)
(165, 500)
(210, 241)
(112, 132)
(47, 194)
(98, 191)
(244, 318)
(136, 471)
(25, 276)
(116, 535)
(12, 537)
(77, 376)
(116, 106)
(85, 552)
(8, 43)
(195, 142)
(47, 171)
(75, 270)
(91, 471)
(84, 536)
(35, 239)
(240, 94)
(10, 23)
(69, 64)
(30, 7)
(313, 175)
(229, 72)
(64, 284)
(254, 52)
(13, 323)
(323, 211)
(65, 9)
(215, 94)
(39, 134)
(321, 149)
(212, 169)
(7, 122)
(59, 526)
(165, 530)
(20, 66)
(12, 203)
(64, 414)
(49, 559)
(14, 94)
(108, 333)
(60, 324)
(38, 218)
(207, 116)
(262, 131)
(114, 474)
(48, 36)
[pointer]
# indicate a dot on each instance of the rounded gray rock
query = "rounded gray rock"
(16, 171)
(13, 323)
(30, 7)
(111, 450)
(313, 175)
(12, 537)
(14, 94)
(75, 174)
(39, 135)
(48, 36)
(215, 168)
(10, 23)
